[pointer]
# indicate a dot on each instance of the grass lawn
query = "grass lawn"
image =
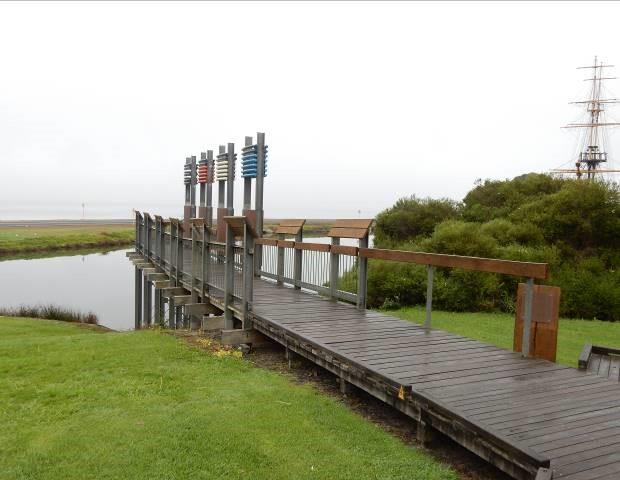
(33, 239)
(497, 329)
(79, 404)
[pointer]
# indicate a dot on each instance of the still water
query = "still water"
(102, 283)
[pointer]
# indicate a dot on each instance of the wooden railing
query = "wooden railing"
(321, 269)
(225, 269)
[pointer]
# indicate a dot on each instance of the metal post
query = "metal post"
(430, 272)
(248, 276)
(527, 317)
(280, 264)
(297, 260)
(334, 267)
(258, 199)
(362, 276)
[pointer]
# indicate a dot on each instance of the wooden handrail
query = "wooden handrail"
(492, 265)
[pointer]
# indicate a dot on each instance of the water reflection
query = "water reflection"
(97, 282)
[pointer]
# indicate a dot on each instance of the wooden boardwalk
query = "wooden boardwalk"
(531, 418)
(512, 411)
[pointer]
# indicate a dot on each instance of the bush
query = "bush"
(411, 217)
(572, 225)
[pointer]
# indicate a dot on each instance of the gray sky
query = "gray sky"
(361, 103)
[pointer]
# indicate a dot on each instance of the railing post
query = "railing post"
(248, 276)
(334, 267)
(229, 279)
(280, 264)
(146, 284)
(138, 277)
(430, 273)
(527, 317)
(174, 252)
(258, 199)
(362, 275)
(298, 260)
(206, 255)
(138, 299)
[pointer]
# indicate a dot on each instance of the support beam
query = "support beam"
(138, 299)
(213, 323)
(237, 337)
(201, 309)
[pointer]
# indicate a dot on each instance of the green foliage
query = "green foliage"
(572, 225)
(44, 239)
(498, 198)
(143, 405)
(50, 312)
(411, 217)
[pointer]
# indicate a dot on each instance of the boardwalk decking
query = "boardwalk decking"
(522, 415)
(510, 410)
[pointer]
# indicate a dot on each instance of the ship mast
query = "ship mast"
(592, 151)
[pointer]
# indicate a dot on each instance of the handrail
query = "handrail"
(481, 264)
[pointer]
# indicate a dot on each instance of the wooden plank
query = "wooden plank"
(357, 233)
(299, 222)
(545, 318)
(584, 356)
(285, 244)
(491, 265)
(314, 247)
(238, 225)
(345, 250)
(237, 337)
(364, 223)
(603, 369)
(266, 241)
(282, 230)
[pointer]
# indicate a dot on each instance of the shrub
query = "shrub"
(411, 217)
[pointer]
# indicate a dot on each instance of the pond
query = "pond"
(102, 283)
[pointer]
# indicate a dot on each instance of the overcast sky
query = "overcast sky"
(361, 103)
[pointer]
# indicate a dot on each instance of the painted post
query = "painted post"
(362, 275)
(334, 267)
(527, 317)
(430, 273)
(209, 203)
(258, 199)
(247, 183)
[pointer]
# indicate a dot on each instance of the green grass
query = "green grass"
(42, 239)
(77, 404)
(497, 329)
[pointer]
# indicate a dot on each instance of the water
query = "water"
(102, 283)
